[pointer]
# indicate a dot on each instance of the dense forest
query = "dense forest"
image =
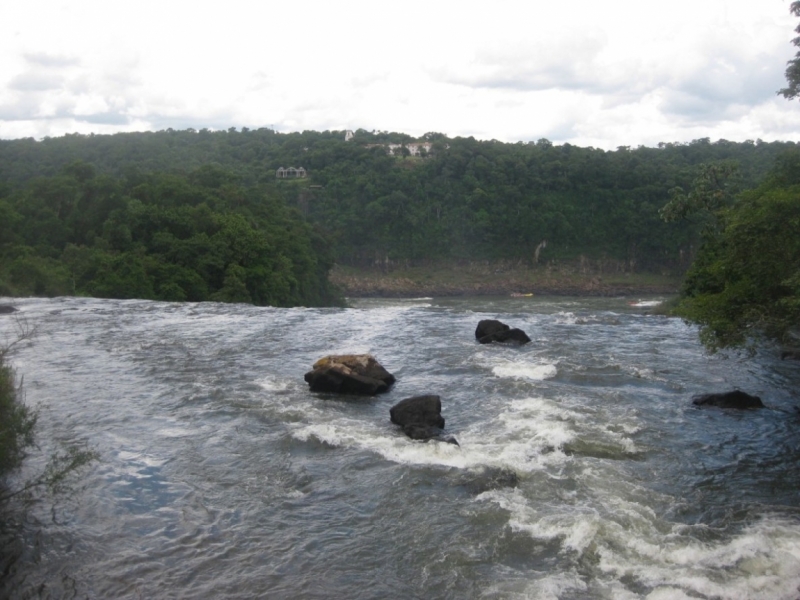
(196, 215)
(195, 236)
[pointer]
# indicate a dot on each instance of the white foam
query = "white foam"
(565, 318)
(646, 303)
(273, 384)
(761, 562)
(525, 371)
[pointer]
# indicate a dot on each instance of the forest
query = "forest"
(201, 215)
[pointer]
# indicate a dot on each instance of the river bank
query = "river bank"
(493, 279)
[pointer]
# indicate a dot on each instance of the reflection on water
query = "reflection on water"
(583, 470)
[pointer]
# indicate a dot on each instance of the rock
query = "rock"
(492, 330)
(734, 399)
(789, 352)
(7, 309)
(489, 327)
(423, 411)
(490, 478)
(349, 374)
(421, 418)
(421, 432)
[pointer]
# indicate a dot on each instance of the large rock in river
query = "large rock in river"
(734, 399)
(492, 330)
(7, 309)
(349, 374)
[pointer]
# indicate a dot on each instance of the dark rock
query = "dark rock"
(425, 411)
(491, 478)
(788, 352)
(491, 330)
(421, 418)
(7, 309)
(421, 432)
(425, 432)
(349, 374)
(734, 399)
(512, 335)
(489, 327)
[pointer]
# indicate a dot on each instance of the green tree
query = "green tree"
(793, 66)
(745, 282)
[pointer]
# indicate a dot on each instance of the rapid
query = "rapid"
(221, 476)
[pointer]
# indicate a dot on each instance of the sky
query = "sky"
(588, 73)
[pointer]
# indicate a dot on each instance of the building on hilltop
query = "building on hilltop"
(414, 148)
(291, 173)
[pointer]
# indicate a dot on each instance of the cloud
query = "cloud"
(44, 59)
(563, 64)
(36, 81)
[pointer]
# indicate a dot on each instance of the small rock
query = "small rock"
(418, 410)
(421, 418)
(735, 399)
(492, 330)
(791, 353)
(490, 478)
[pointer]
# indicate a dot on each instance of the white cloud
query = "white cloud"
(606, 74)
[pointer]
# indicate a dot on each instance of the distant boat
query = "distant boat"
(518, 295)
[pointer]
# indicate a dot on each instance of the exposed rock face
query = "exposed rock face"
(6, 309)
(349, 374)
(421, 418)
(492, 330)
(734, 399)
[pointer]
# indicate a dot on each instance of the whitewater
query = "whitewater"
(583, 470)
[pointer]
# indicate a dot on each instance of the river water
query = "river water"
(221, 476)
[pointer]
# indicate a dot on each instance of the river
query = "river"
(221, 476)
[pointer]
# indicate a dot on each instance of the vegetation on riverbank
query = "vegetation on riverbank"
(17, 432)
(744, 285)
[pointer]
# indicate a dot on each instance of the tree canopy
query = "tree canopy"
(745, 282)
(792, 91)
(202, 215)
(200, 236)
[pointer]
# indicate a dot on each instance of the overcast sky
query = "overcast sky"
(590, 73)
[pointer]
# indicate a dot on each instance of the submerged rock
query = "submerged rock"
(492, 330)
(349, 374)
(790, 352)
(7, 309)
(488, 478)
(734, 399)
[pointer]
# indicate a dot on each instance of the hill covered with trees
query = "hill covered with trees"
(200, 215)
(166, 236)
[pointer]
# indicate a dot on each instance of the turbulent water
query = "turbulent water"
(221, 476)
